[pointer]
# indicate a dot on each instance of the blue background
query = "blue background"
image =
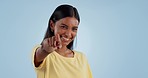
(113, 34)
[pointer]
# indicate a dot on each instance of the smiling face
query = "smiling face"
(66, 28)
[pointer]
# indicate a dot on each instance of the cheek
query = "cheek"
(57, 31)
(74, 35)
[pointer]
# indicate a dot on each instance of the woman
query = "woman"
(55, 57)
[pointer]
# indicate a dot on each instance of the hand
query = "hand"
(52, 43)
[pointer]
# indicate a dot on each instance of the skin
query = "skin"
(65, 31)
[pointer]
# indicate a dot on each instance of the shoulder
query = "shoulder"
(79, 54)
(36, 46)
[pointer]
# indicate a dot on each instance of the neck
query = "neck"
(62, 50)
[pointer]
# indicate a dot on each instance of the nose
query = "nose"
(68, 33)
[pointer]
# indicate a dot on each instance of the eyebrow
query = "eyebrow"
(67, 25)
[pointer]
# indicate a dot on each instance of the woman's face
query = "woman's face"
(67, 29)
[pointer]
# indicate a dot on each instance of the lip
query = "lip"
(65, 39)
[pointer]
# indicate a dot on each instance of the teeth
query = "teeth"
(66, 39)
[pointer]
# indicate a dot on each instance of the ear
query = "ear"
(52, 25)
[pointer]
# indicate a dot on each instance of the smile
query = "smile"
(65, 39)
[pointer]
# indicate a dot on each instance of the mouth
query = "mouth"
(65, 39)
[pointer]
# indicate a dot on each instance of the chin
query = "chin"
(65, 43)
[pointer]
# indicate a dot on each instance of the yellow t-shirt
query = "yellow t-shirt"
(57, 66)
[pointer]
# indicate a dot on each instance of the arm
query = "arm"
(39, 56)
(48, 46)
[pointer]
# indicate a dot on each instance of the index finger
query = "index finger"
(58, 39)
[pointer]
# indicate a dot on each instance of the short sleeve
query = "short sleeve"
(42, 65)
(88, 69)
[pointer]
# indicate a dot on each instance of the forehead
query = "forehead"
(69, 21)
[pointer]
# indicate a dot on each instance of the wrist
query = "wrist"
(43, 50)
